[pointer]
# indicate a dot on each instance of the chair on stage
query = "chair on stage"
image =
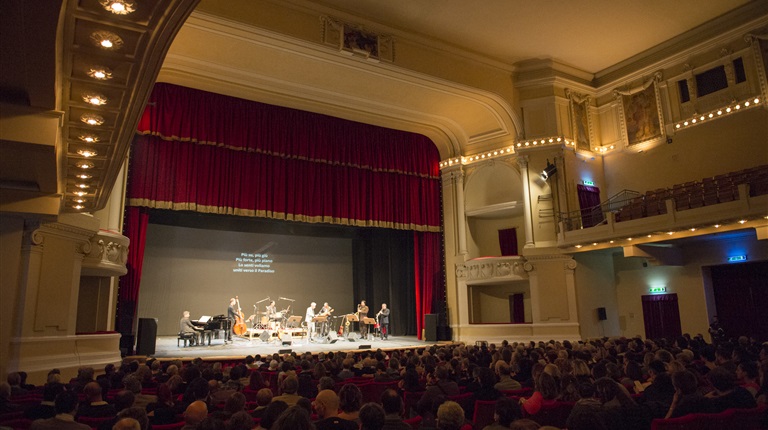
(186, 337)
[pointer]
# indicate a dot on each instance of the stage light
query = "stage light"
(548, 171)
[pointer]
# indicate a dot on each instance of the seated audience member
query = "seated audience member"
(546, 392)
(271, 413)
(165, 409)
(327, 407)
(46, 408)
(371, 416)
(393, 410)
(350, 402)
(66, 406)
(289, 387)
(294, 418)
(506, 411)
(217, 394)
(240, 421)
(5, 399)
(195, 413)
(133, 385)
(618, 409)
(450, 416)
(256, 381)
(687, 399)
(762, 393)
(123, 401)
(138, 414)
(727, 394)
(263, 398)
(234, 404)
(506, 382)
(212, 423)
(524, 424)
(14, 380)
(658, 395)
(84, 376)
(441, 383)
(748, 376)
(485, 388)
(94, 405)
(127, 424)
(411, 381)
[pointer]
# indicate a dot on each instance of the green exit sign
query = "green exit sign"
(657, 290)
(588, 182)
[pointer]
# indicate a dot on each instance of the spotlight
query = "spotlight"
(548, 171)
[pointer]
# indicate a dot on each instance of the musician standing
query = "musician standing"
(308, 319)
(383, 317)
(362, 312)
(186, 326)
(232, 314)
(326, 312)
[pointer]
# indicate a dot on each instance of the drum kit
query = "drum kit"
(263, 320)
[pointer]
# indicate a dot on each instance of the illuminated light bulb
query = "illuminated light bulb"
(756, 100)
(83, 186)
(483, 156)
(100, 73)
(495, 152)
(693, 228)
(489, 154)
(92, 119)
(711, 115)
(611, 146)
(558, 139)
(106, 40)
(629, 238)
(95, 99)
(719, 112)
(90, 138)
(728, 109)
(578, 246)
(701, 118)
(650, 235)
(118, 7)
(717, 226)
(85, 165)
(670, 233)
(685, 123)
(677, 126)
(106, 43)
(80, 193)
(519, 144)
(508, 150)
(79, 200)
(737, 107)
(526, 143)
(551, 140)
(693, 121)
(84, 176)
(78, 207)
(746, 104)
(742, 221)
(87, 152)
(594, 243)
(535, 142)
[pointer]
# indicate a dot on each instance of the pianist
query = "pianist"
(186, 326)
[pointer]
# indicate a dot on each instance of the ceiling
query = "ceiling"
(591, 35)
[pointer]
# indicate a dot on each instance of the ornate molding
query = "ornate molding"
(617, 93)
(492, 268)
(107, 255)
(354, 39)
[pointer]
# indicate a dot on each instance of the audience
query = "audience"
(66, 406)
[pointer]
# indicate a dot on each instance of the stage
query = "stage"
(240, 347)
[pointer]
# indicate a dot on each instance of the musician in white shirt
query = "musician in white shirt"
(308, 319)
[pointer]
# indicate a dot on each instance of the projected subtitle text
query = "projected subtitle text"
(253, 263)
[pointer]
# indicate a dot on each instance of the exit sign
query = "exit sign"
(656, 290)
(737, 258)
(590, 183)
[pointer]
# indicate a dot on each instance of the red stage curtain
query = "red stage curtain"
(135, 228)
(205, 152)
(428, 271)
(589, 202)
(508, 241)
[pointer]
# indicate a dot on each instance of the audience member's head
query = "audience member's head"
(124, 399)
(263, 396)
(524, 424)
(371, 416)
(506, 411)
(685, 382)
(290, 385)
(212, 423)
(450, 416)
(294, 418)
(240, 421)
(127, 424)
(391, 402)
(66, 403)
(350, 398)
(272, 412)
(137, 414)
(327, 404)
(722, 379)
(196, 412)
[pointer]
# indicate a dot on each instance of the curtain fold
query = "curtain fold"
(429, 276)
(508, 241)
(135, 229)
(589, 202)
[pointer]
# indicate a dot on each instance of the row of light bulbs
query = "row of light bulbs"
(717, 113)
(505, 151)
(110, 41)
(669, 233)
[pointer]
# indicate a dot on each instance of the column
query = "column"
(522, 162)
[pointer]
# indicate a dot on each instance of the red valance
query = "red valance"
(211, 153)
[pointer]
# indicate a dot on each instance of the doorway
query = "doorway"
(741, 297)
(661, 316)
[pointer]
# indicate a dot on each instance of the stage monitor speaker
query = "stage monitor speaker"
(332, 337)
(147, 336)
(430, 327)
(601, 315)
(286, 343)
(285, 351)
(364, 347)
(352, 337)
(264, 336)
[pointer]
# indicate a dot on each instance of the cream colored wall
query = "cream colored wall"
(490, 303)
(11, 233)
(633, 280)
(727, 144)
(595, 289)
(484, 234)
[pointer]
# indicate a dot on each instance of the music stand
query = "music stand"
(320, 318)
(352, 318)
(367, 320)
(293, 322)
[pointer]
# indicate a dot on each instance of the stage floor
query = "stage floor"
(166, 347)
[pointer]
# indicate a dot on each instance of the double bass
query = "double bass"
(239, 328)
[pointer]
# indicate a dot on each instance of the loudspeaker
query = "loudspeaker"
(264, 336)
(364, 347)
(285, 351)
(430, 327)
(352, 337)
(601, 314)
(286, 343)
(147, 336)
(332, 337)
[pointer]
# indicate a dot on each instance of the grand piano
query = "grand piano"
(212, 327)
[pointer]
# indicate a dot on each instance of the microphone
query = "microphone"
(290, 300)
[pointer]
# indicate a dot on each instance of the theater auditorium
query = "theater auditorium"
(281, 173)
